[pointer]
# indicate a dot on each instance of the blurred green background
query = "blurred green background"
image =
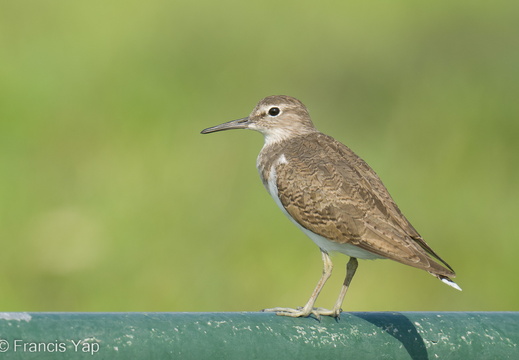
(111, 200)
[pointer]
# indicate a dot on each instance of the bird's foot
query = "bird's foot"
(335, 313)
(305, 312)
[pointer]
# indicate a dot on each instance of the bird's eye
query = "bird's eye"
(274, 111)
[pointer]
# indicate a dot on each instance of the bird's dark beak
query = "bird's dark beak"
(235, 124)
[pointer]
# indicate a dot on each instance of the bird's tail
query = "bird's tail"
(447, 280)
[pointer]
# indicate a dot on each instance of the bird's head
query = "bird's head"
(277, 117)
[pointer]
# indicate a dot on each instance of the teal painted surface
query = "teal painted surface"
(385, 335)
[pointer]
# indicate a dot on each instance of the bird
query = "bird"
(333, 196)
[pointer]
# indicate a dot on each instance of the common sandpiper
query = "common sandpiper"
(333, 196)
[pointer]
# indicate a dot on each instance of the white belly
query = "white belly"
(323, 243)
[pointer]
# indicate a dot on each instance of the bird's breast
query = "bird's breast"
(269, 170)
(269, 175)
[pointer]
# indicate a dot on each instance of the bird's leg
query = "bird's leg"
(350, 271)
(309, 307)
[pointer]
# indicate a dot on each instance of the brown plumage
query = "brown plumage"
(332, 195)
(332, 192)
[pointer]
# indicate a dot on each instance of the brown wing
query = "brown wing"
(344, 200)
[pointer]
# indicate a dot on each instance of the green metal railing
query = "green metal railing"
(383, 335)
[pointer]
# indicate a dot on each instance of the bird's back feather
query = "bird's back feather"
(332, 192)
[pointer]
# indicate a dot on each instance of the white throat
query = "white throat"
(273, 135)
